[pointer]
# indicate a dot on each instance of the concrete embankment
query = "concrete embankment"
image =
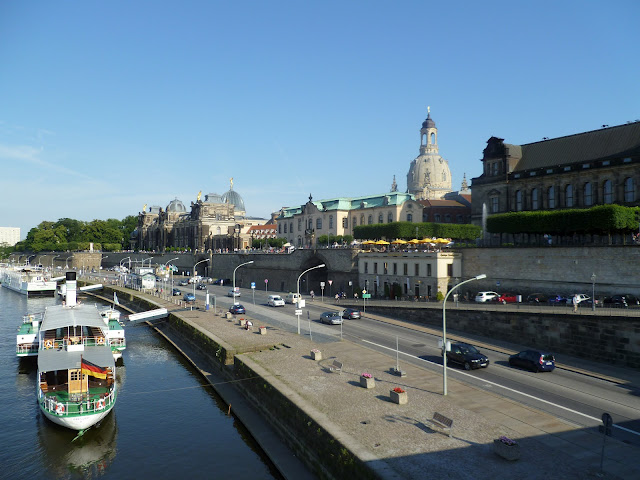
(340, 430)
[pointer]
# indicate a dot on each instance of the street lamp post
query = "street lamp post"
(593, 292)
(194, 278)
(165, 277)
(298, 298)
(52, 259)
(444, 329)
(66, 262)
(235, 302)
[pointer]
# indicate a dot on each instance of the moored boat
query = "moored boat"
(28, 281)
(111, 317)
(27, 341)
(76, 368)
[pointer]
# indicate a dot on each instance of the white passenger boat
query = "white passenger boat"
(111, 318)
(27, 341)
(28, 281)
(76, 369)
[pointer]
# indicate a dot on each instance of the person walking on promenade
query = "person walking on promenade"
(574, 300)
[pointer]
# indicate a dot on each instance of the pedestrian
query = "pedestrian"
(574, 300)
(312, 295)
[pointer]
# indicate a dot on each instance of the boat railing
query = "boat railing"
(33, 317)
(87, 403)
(75, 341)
(25, 349)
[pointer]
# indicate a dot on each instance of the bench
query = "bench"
(335, 366)
(442, 422)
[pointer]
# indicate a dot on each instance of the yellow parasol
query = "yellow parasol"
(382, 242)
(399, 242)
(368, 242)
(414, 241)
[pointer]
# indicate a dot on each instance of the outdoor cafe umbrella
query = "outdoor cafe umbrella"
(382, 242)
(414, 241)
(368, 242)
(399, 242)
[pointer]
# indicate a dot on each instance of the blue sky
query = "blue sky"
(107, 106)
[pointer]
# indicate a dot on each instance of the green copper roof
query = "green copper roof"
(352, 203)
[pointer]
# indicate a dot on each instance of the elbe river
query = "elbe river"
(167, 422)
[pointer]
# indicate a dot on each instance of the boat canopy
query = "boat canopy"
(51, 359)
(60, 316)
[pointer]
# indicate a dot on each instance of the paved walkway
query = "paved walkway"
(396, 440)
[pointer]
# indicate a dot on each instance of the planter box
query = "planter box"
(242, 322)
(399, 398)
(508, 452)
(316, 355)
(367, 382)
(263, 330)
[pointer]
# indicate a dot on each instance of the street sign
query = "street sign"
(366, 295)
(299, 312)
(266, 280)
(364, 291)
(301, 303)
(330, 282)
(322, 284)
(607, 423)
(253, 285)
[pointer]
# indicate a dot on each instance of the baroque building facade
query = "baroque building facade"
(217, 222)
(576, 171)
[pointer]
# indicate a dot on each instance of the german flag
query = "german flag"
(89, 368)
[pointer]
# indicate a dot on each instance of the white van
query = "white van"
(276, 301)
(292, 297)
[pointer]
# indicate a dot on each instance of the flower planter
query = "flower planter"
(367, 382)
(316, 355)
(399, 398)
(508, 452)
(263, 330)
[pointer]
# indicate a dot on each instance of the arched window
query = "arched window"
(330, 221)
(280, 228)
(607, 192)
(447, 218)
(495, 204)
(433, 139)
(389, 217)
(370, 219)
(588, 194)
(568, 196)
(310, 224)
(362, 219)
(518, 200)
(218, 231)
(409, 217)
(319, 223)
(380, 219)
(551, 197)
(436, 218)
(354, 222)
(534, 199)
(629, 190)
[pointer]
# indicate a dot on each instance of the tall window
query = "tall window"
(436, 218)
(330, 221)
(299, 224)
(428, 269)
(551, 197)
(366, 267)
(405, 269)
(629, 190)
(416, 269)
(285, 228)
(354, 221)
(495, 201)
(519, 200)
(370, 219)
(291, 227)
(588, 195)
(375, 267)
(390, 217)
(409, 217)
(380, 219)
(319, 223)
(534, 199)
(345, 222)
(568, 196)
(447, 218)
(395, 268)
(362, 219)
(607, 191)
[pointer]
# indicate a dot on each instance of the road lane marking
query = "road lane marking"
(507, 388)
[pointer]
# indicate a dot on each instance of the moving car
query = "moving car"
(276, 301)
(292, 297)
(533, 360)
(237, 309)
(183, 283)
(222, 281)
(350, 313)
(467, 355)
(537, 298)
(189, 297)
(332, 318)
(508, 298)
(559, 299)
(483, 297)
(201, 286)
(176, 291)
(233, 294)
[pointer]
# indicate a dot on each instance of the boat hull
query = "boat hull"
(80, 422)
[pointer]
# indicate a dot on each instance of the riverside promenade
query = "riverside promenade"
(397, 441)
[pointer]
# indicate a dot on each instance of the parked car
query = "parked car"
(621, 300)
(537, 298)
(176, 291)
(580, 298)
(533, 360)
(276, 301)
(189, 297)
(483, 297)
(508, 298)
(183, 283)
(350, 313)
(467, 355)
(233, 293)
(201, 286)
(332, 318)
(237, 309)
(222, 281)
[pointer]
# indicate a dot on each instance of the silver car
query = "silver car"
(332, 318)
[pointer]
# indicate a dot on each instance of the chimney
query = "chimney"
(71, 289)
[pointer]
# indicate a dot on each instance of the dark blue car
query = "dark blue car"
(533, 360)
(237, 309)
(189, 297)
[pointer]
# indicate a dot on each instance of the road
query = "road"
(577, 391)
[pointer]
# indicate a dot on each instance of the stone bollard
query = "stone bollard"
(263, 330)
(243, 322)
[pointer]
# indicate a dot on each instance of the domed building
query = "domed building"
(219, 222)
(429, 177)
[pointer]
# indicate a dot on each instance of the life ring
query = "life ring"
(100, 340)
(60, 409)
(48, 344)
(100, 404)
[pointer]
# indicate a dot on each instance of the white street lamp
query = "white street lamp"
(298, 290)
(194, 278)
(444, 330)
(235, 302)
(52, 259)
(165, 277)
(66, 262)
(593, 292)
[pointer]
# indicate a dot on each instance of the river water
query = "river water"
(167, 423)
